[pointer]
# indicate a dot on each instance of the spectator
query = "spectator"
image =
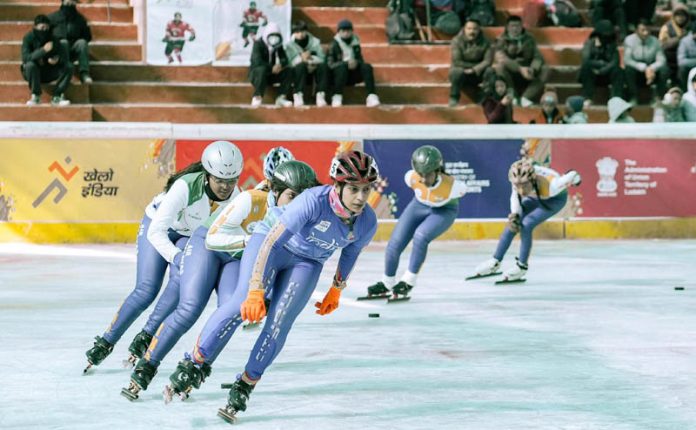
(574, 113)
(690, 6)
(472, 55)
(481, 10)
(600, 62)
(619, 110)
(611, 10)
(307, 58)
(497, 104)
(637, 11)
(690, 96)
(686, 55)
(645, 62)
(549, 113)
(670, 35)
(269, 65)
(672, 108)
(44, 59)
(348, 66)
(71, 28)
(563, 13)
(518, 61)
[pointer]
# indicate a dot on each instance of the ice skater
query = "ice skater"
(175, 37)
(538, 193)
(189, 197)
(212, 262)
(290, 180)
(290, 260)
(429, 214)
(275, 157)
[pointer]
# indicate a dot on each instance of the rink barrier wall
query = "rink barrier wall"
(465, 229)
(671, 228)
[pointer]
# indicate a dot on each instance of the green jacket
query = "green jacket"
(477, 54)
(521, 52)
(293, 50)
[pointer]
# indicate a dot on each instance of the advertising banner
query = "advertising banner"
(317, 154)
(81, 181)
(179, 32)
(482, 164)
(630, 178)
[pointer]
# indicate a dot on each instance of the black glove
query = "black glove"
(514, 223)
(192, 38)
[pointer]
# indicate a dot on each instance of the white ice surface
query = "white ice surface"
(596, 339)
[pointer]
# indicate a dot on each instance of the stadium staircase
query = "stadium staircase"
(411, 79)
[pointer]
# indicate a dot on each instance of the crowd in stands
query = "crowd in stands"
(501, 74)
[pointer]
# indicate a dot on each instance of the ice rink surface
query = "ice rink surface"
(598, 338)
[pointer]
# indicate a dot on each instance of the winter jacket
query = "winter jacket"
(671, 31)
(576, 118)
(68, 26)
(689, 4)
(686, 53)
(690, 97)
(335, 54)
(263, 55)
(640, 54)
(542, 118)
(32, 50)
(616, 107)
(602, 58)
(496, 112)
(294, 50)
(476, 54)
(521, 52)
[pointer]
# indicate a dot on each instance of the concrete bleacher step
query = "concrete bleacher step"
(18, 92)
(100, 51)
(45, 112)
(500, 4)
(81, 4)
(93, 12)
(101, 31)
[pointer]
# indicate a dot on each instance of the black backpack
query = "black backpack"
(483, 11)
(567, 14)
(400, 24)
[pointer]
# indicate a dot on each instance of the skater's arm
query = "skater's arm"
(226, 233)
(459, 188)
(276, 238)
(173, 203)
(515, 206)
(560, 183)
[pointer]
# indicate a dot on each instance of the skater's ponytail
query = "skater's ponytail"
(191, 168)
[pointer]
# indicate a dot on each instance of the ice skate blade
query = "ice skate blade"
(125, 392)
(129, 363)
(374, 297)
(514, 281)
(472, 277)
(230, 418)
(398, 299)
(168, 394)
(89, 366)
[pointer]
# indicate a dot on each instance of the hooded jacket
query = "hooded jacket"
(686, 52)
(689, 98)
(335, 56)
(476, 54)
(665, 112)
(639, 54)
(68, 23)
(294, 50)
(604, 57)
(262, 54)
(616, 107)
(521, 51)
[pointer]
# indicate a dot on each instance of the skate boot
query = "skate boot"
(400, 292)
(514, 274)
(236, 400)
(140, 379)
(376, 291)
(98, 352)
(487, 268)
(137, 348)
(187, 376)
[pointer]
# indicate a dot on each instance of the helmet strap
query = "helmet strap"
(209, 191)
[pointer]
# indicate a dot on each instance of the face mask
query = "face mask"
(274, 40)
(347, 39)
(42, 35)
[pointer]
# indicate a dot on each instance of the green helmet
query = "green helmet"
(426, 159)
(294, 174)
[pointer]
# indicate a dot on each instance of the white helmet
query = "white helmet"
(275, 157)
(222, 159)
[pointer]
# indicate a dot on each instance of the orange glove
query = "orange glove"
(330, 302)
(253, 308)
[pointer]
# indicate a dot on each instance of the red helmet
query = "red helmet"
(354, 167)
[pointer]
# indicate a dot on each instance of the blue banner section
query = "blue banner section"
(482, 164)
